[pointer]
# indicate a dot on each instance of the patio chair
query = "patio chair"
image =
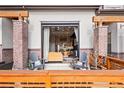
(83, 63)
(35, 62)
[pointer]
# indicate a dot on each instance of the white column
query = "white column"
(46, 42)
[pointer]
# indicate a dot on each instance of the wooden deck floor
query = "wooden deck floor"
(58, 66)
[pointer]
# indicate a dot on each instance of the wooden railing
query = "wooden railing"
(110, 63)
(96, 61)
(114, 63)
(62, 79)
(91, 59)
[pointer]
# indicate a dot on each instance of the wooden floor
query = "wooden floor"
(58, 66)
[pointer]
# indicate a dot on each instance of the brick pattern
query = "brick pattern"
(96, 39)
(25, 44)
(7, 55)
(100, 40)
(20, 44)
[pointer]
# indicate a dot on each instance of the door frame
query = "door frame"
(59, 23)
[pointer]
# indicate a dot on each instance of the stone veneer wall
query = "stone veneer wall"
(20, 44)
(100, 40)
(7, 55)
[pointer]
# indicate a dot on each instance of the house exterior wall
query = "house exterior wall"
(7, 40)
(34, 33)
(83, 16)
(113, 6)
(7, 33)
(6, 53)
(117, 37)
(0, 39)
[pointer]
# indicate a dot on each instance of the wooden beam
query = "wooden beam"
(108, 19)
(14, 14)
(62, 78)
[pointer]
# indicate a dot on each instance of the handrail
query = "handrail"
(62, 78)
(110, 62)
(114, 63)
(99, 58)
(91, 59)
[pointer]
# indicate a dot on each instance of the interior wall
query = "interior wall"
(61, 37)
(83, 16)
(7, 40)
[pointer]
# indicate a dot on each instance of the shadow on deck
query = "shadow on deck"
(6, 66)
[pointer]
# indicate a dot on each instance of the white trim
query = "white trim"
(60, 23)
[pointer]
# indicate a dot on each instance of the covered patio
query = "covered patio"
(105, 71)
(20, 57)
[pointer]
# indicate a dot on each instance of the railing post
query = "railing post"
(17, 85)
(48, 81)
(108, 63)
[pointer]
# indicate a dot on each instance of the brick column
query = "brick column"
(100, 40)
(20, 44)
